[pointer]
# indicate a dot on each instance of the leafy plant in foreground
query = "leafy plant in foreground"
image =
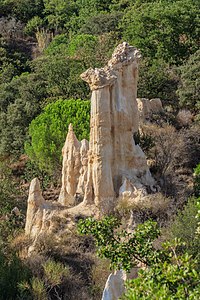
(175, 278)
(123, 249)
(165, 274)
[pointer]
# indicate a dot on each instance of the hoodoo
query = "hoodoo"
(113, 158)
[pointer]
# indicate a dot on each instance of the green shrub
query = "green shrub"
(184, 227)
(197, 180)
(59, 45)
(189, 88)
(10, 197)
(82, 43)
(173, 278)
(38, 289)
(48, 131)
(54, 272)
(165, 273)
(12, 273)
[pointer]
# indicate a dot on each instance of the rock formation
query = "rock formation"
(112, 157)
(114, 287)
(71, 168)
(111, 165)
(146, 107)
(39, 216)
(34, 213)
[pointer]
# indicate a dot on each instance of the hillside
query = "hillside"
(45, 46)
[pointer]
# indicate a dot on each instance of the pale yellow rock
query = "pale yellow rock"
(84, 167)
(96, 173)
(40, 213)
(144, 108)
(34, 213)
(71, 168)
(113, 155)
(111, 165)
(115, 286)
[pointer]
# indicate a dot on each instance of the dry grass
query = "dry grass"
(21, 243)
(154, 206)
(99, 274)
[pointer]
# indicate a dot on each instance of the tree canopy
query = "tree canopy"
(48, 131)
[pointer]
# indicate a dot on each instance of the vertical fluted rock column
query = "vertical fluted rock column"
(34, 213)
(113, 155)
(112, 159)
(70, 169)
(84, 167)
(99, 188)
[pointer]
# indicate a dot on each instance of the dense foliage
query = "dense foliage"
(189, 89)
(166, 273)
(124, 249)
(48, 131)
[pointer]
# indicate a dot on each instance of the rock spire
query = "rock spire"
(112, 157)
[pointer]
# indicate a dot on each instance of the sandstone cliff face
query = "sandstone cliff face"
(112, 157)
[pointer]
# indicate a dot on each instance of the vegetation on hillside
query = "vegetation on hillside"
(44, 47)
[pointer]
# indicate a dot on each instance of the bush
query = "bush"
(165, 273)
(189, 89)
(48, 131)
(173, 278)
(157, 80)
(12, 273)
(153, 206)
(197, 180)
(62, 76)
(58, 46)
(10, 197)
(184, 227)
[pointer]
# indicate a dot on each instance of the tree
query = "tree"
(163, 29)
(184, 227)
(102, 23)
(20, 102)
(58, 13)
(62, 76)
(24, 10)
(123, 249)
(82, 46)
(189, 88)
(157, 80)
(175, 278)
(48, 131)
(14, 59)
(58, 46)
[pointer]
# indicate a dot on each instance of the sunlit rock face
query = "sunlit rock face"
(35, 207)
(97, 173)
(71, 168)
